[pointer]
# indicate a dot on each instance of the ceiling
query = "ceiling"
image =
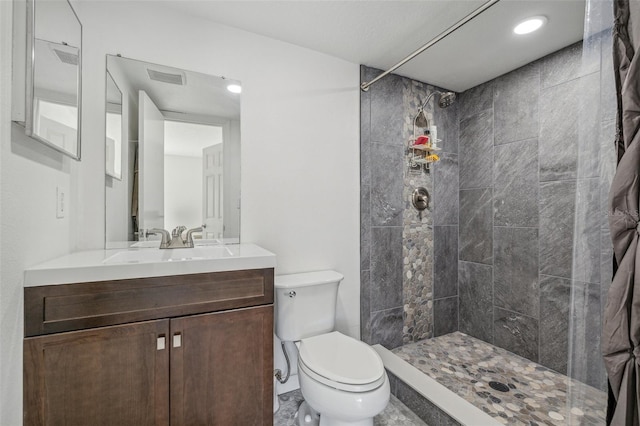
(201, 95)
(381, 33)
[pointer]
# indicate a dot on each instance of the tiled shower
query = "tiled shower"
(398, 292)
(492, 256)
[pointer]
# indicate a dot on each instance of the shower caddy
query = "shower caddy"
(422, 155)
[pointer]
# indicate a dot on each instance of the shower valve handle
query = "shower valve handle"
(420, 199)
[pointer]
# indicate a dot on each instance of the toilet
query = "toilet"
(340, 377)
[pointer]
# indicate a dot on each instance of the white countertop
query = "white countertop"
(98, 265)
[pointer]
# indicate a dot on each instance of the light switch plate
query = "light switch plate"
(61, 202)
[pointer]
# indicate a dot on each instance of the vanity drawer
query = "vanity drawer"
(68, 307)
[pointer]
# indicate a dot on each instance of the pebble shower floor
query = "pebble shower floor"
(512, 389)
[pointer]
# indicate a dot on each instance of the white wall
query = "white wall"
(300, 157)
(30, 232)
(300, 133)
(9, 293)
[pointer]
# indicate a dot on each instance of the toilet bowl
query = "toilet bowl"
(343, 379)
(340, 377)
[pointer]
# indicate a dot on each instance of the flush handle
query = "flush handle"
(291, 294)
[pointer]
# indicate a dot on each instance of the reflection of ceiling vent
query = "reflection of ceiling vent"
(66, 57)
(166, 77)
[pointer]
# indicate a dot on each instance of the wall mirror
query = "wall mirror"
(113, 129)
(178, 160)
(54, 40)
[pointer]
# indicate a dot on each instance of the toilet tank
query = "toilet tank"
(305, 304)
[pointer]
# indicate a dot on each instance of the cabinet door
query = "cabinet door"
(107, 376)
(222, 368)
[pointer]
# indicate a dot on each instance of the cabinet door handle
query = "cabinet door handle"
(177, 340)
(160, 342)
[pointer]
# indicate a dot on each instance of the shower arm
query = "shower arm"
(424, 104)
(421, 111)
(365, 86)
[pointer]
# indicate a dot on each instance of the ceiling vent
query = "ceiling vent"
(165, 77)
(67, 57)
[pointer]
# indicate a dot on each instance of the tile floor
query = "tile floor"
(396, 414)
(510, 388)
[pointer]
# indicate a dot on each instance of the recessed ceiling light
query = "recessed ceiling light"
(234, 88)
(530, 25)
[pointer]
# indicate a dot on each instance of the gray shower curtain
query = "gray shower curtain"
(621, 321)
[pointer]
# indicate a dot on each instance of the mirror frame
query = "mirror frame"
(30, 82)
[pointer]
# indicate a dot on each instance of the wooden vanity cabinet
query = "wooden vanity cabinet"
(199, 356)
(103, 376)
(218, 375)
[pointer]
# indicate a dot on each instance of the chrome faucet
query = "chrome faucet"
(166, 238)
(175, 239)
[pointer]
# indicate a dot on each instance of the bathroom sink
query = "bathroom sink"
(128, 263)
(169, 255)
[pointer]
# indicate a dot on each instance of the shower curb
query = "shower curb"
(431, 401)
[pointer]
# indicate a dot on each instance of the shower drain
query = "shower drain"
(501, 387)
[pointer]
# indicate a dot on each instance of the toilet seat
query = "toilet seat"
(341, 362)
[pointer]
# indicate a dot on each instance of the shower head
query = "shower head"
(446, 99)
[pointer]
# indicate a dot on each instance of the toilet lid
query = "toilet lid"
(343, 360)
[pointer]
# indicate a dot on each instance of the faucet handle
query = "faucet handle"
(178, 230)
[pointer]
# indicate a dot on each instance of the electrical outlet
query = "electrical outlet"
(61, 202)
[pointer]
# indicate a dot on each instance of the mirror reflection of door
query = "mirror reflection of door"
(185, 189)
(150, 165)
(212, 194)
(113, 129)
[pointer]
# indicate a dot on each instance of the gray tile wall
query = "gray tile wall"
(446, 221)
(531, 181)
(381, 210)
(400, 301)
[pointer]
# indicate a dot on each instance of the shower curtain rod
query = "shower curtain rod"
(365, 86)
